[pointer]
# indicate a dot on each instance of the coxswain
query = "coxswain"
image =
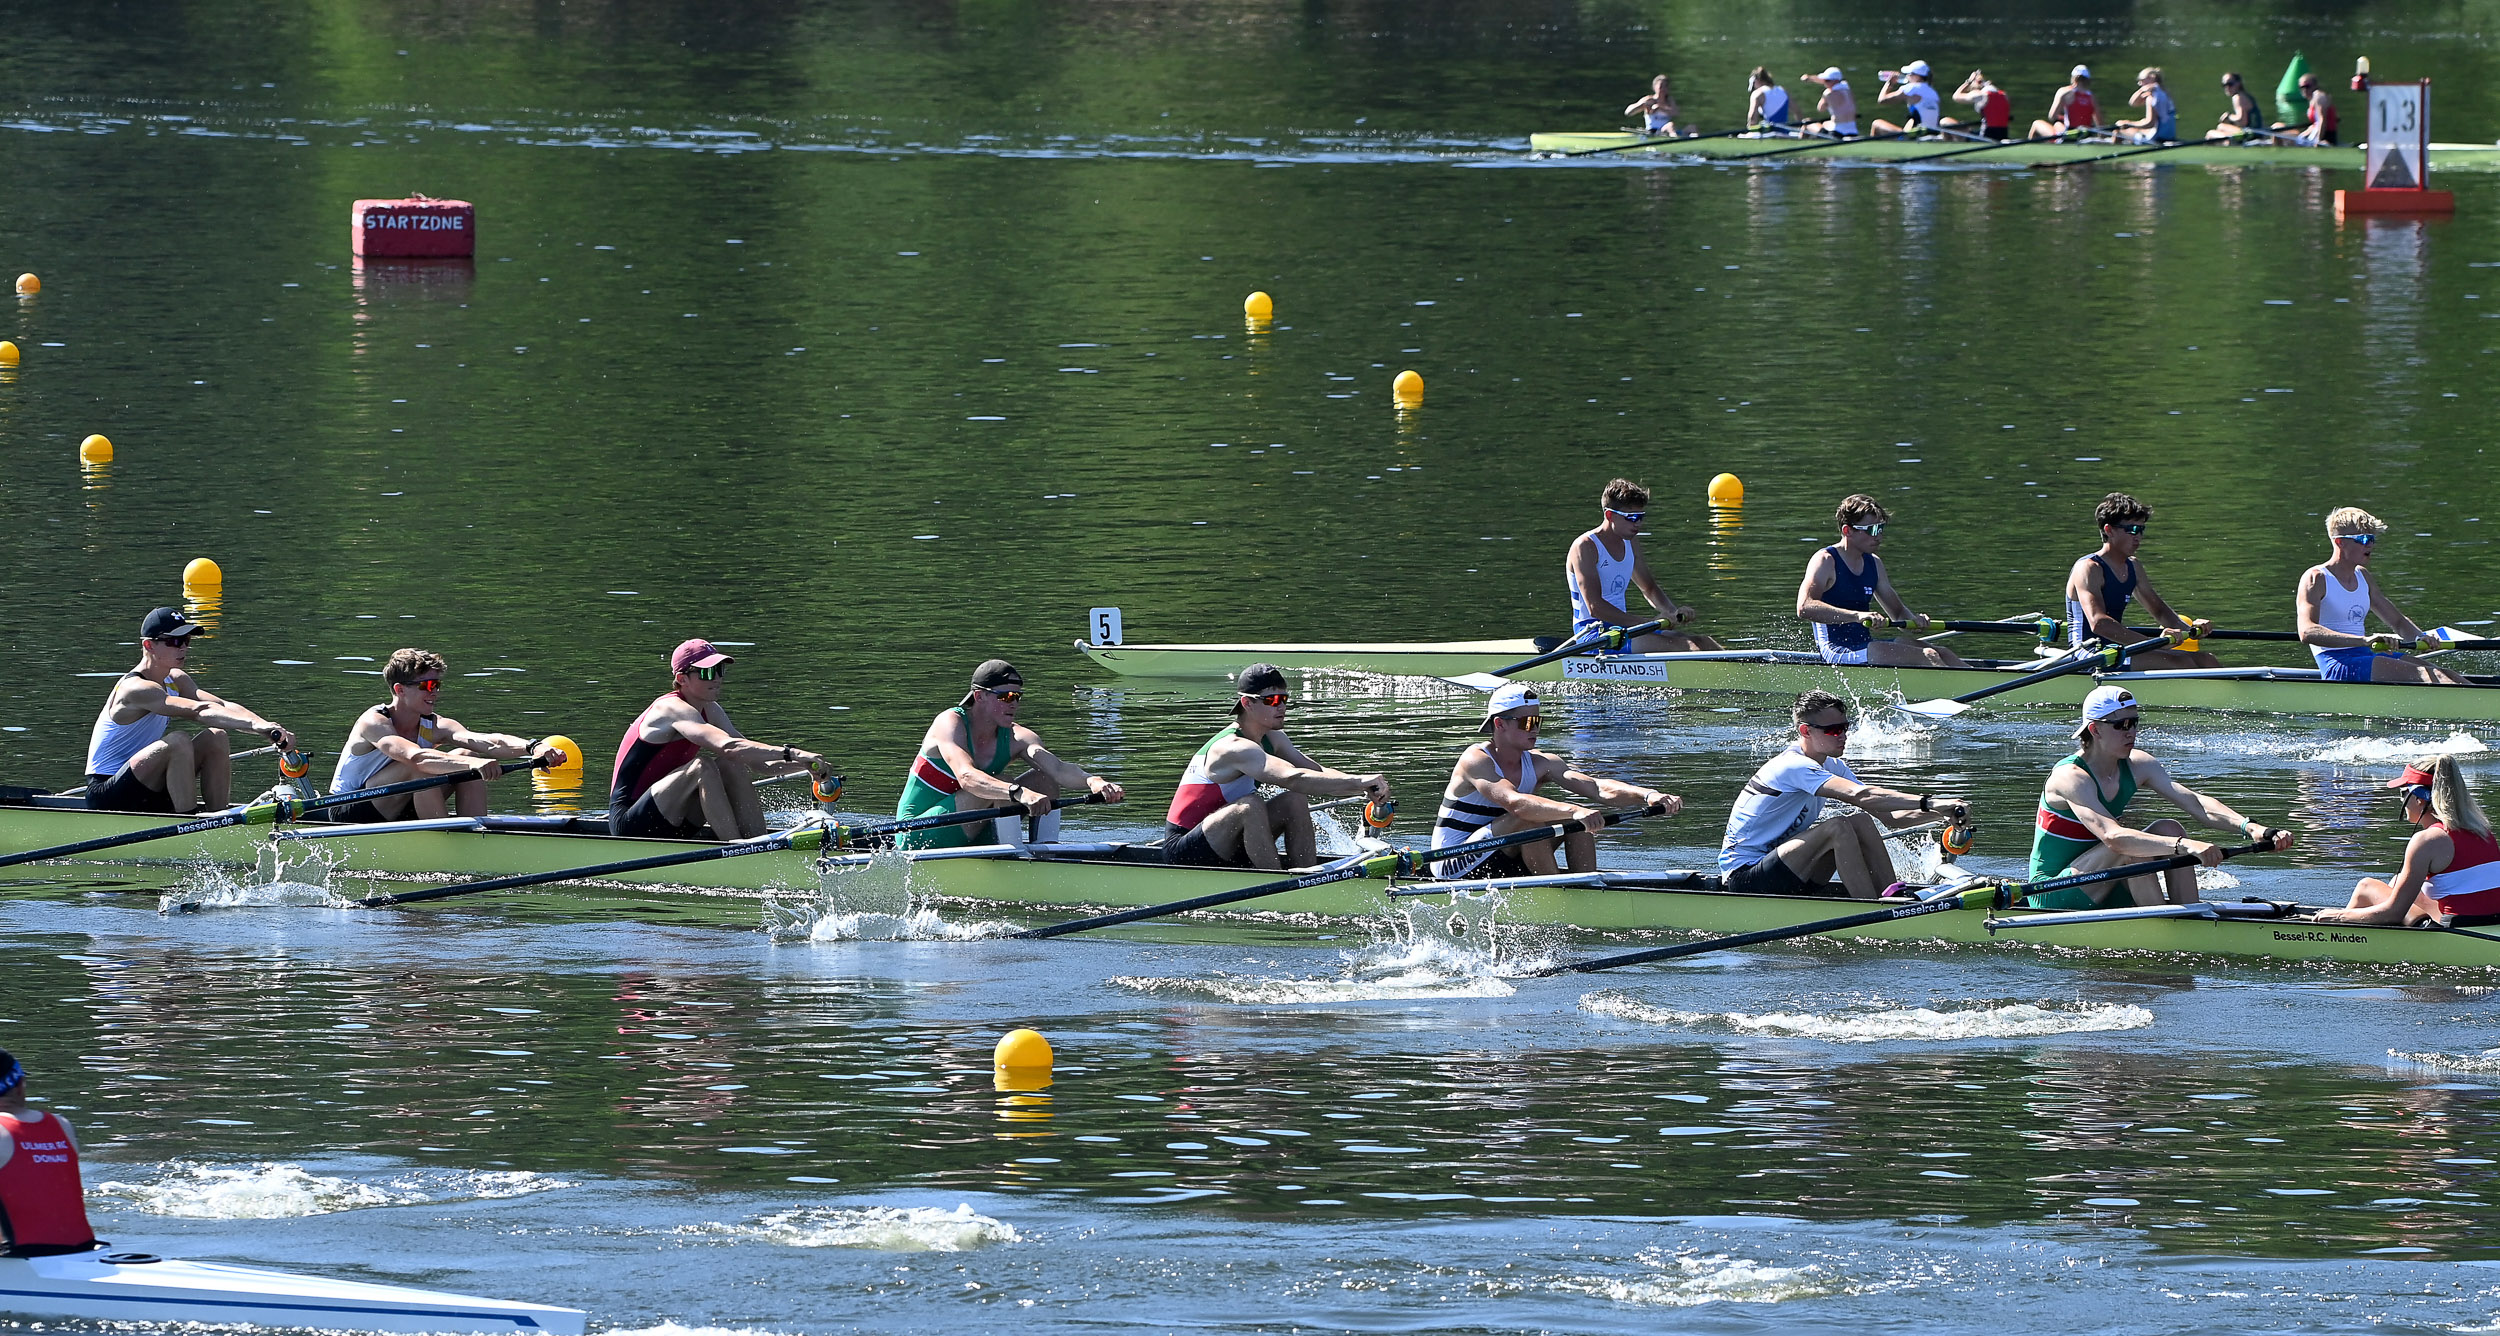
(1776, 843)
(2320, 128)
(135, 763)
(404, 738)
(2336, 600)
(947, 776)
(1766, 102)
(1838, 106)
(1994, 109)
(2072, 109)
(1656, 108)
(1493, 792)
(1848, 597)
(2077, 827)
(1918, 98)
(2243, 118)
(1606, 564)
(43, 1205)
(2101, 584)
(683, 771)
(2451, 871)
(1218, 819)
(2160, 124)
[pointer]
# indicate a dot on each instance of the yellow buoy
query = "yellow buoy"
(1409, 389)
(1257, 306)
(95, 449)
(1727, 490)
(201, 573)
(572, 751)
(8, 353)
(1021, 1049)
(28, 285)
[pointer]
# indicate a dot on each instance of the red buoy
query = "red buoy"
(414, 228)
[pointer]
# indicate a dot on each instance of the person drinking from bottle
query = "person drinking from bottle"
(683, 771)
(2451, 871)
(2079, 827)
(1493, 792)
(405, 739)
(1218, 819)
(1848, 597)
(949, 775)
(1606, 564)
(2336, 600)
(2103, 583)
(1776, 845)
(136, 762)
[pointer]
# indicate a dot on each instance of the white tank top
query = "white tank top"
(2341, 609)
(356, 769)
(110, 745)
(1463, 818)
(1614, 578)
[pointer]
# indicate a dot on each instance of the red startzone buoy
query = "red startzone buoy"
(414, 228)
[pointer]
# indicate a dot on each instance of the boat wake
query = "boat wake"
(1690, 1280)
(1406, 968)
(881, 1228)
(2394, 751)
(286, 1191)
(2486, 1061)
(1878, 1021)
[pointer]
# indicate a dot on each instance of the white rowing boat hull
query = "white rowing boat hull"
(135, 1287)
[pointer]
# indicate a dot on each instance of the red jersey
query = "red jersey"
(2471, 884)
(42, 1204)
(1996, 110)
(2081, 111)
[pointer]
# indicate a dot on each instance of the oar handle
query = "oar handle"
(290, 808)
(1613, 637)
(851, 837)
(2020, 889)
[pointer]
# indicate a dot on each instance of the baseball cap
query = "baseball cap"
(2080, 72)
(11, 1074)
(695, 653)
(1831, 75)
(164, 624)
(2413, 777)
(2102, 703)
(994, 675)
(1508, 697)
(1917, 67)
(1258, 680)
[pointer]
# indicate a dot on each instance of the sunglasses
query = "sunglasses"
(428, 684)
(2128, 528)
(1831, 730)
(712, 674)
(1274, 699)
(2357, 539)
(1875, 530)
(173, 642)
(2417, 791)
(1008, 697)
(1635, 516)
(2122, 725)
(1528, 722)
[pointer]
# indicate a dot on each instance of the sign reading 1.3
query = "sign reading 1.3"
(2398, 155)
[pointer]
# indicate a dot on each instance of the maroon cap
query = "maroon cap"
(695, 653)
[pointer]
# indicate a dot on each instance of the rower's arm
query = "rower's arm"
(1292, 770)
(1890, 806)
(206, 709)
(2210, 810)
(501, 746)
(724, 740)
(1528, 807)
(1668, 608)
(2155, 604)
(1070, 778)
(2392, 616)
(1615, 791)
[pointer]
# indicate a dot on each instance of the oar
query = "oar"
(1658, 142)
(2452, 638)
(2111, 655)
(811, 836)
(1492, 680)
(255, 814)
(238, 756)
(1377, 865)
(1968, 897)
(1995, 144)
(2140, 152)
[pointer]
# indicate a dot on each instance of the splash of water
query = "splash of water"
(1399, 968)
(1691, 1280)
(2486, 1061)
(883, 1228)
(1878, 1022)
(284, 1191)
(2395, 751)
(871, 900)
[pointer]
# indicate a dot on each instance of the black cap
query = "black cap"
(164, 624)
(994, 675)
(1258, 679)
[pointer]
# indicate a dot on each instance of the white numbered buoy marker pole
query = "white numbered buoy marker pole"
(2396, 160)
(1103, 626)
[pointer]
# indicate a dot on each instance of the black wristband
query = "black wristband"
(1927, 802)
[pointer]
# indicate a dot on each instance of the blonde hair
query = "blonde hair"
(2451, 801)
(2353, 519)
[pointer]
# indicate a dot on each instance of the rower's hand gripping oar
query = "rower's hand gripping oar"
(1986, 896)
(255, 814)
(1613, 637)
(2110, 656)
(813, 836)
(1390, 864)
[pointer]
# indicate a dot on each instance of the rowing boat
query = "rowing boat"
(2015, 153)
(1003, 878)
(1787, 672)
(158, 1291)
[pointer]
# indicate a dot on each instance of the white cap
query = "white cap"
(1831, 75)
(1508, 697)
(2104, 701)
(2080, 72)
(1917, 67)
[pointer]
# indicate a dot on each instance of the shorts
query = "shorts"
(1845, 658)
(643, 820)
(1767, 876)
(1845, 129)
(357, 814)
(2349, 664)
(2071, 897)
(1996, 132)
(1190, 849)
(126, 792)
(1487, 866)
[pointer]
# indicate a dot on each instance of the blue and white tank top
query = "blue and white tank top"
(1614, 581)
(110, 745)
(2116, 594)
(1854, 590)
(1775, 106)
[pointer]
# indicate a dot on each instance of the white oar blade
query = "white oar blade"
(1478, 681)
(1934, 709)
(2452, 633)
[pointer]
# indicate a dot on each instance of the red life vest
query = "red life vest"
(42, 1204)
(2471, 883)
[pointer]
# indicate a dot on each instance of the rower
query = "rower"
(1844, 583)
(43, 1205)
(2101, 584)
(1918, 97)
(1493, 792)
(2073, 108)
(2451, 871)
(2243, 116)
(405, 738)
(2077, 828)
(683, 771)
(1776, 844)
(1218, 819)
(2336, 600)
(1605, 564)
(1838, 106)
(946, 772)
(134, 763)
(2160, 124)
(1766, 102)
(1656, 108)
(2320, 128)
(1995, 109)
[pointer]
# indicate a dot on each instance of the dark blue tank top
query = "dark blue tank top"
(1854, 590)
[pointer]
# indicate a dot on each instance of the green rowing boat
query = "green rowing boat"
(2016, 153)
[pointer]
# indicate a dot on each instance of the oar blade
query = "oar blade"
(1478, 681)
(1933, 709)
